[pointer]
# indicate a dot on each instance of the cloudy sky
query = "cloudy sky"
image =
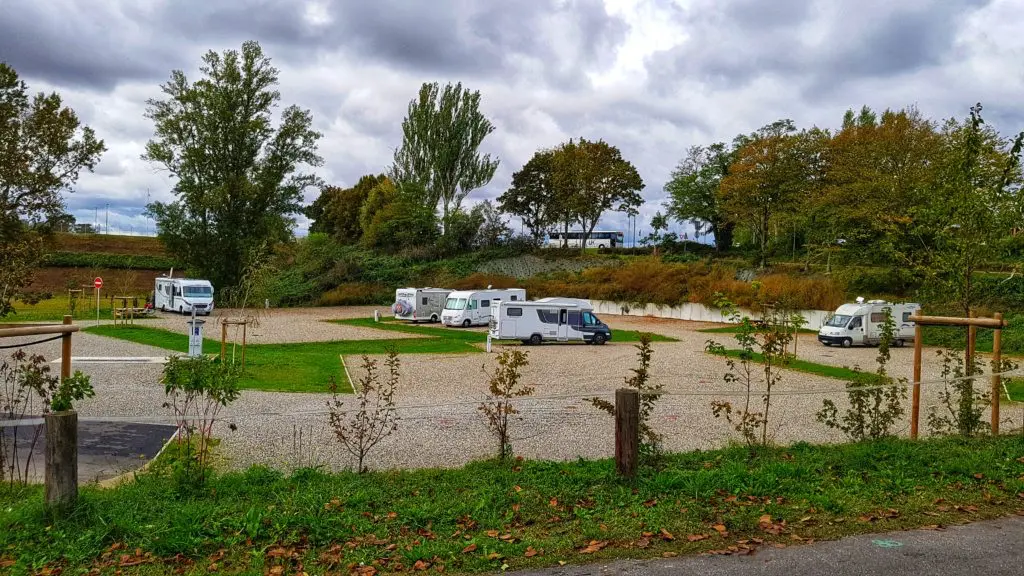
(649, 76)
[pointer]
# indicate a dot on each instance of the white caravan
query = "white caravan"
(473, 307)
(183, 295)
(862, 323)
(552, 319)
(419, 304)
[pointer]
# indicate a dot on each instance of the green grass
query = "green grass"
(299, 367)
(54, 309)
(260, 518)
(472, 335)
(1015, 389)
(825, 370)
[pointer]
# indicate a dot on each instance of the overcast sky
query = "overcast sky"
(649, 76)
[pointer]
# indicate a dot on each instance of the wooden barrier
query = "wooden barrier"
(972, 322)
(224, 337)
(627, 431)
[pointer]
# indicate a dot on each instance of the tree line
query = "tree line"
(894, 187)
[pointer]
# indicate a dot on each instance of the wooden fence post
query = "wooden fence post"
(627, 431)
(997, 361)
(223, 340)
(915, 408)
(65, 351)
(61, 460)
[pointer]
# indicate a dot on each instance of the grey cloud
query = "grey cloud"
(732, 44)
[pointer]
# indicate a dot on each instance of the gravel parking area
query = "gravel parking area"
(439, 397)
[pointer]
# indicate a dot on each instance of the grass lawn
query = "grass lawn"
(813, 368)
(472, 335)
(1015, 389)
(488, 516)
(54, 309)
(299, 367)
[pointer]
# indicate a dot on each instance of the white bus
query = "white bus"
(598, 239)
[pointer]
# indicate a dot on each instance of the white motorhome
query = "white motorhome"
(862, 322)
(419, 304)
(548, 319)
(473, 307)
(183, 295)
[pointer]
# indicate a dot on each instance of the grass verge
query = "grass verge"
(488, 516)
(299, 367)
(54, 309)
(825, 370)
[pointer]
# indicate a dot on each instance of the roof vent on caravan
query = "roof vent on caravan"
(860, 300)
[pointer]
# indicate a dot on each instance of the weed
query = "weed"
(650, 393)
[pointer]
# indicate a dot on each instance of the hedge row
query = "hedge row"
(103, 260)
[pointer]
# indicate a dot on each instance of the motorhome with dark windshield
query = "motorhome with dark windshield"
(548, 320)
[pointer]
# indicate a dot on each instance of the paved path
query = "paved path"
(991, 548)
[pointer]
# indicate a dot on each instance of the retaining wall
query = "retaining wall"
(691, 311)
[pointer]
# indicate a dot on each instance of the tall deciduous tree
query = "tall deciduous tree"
(766, 177)
(43, 148)
(694, 195)
(441, 137)
(590, 178)
(393, 218)
(531, 196)
(239, 178)
(336, 211)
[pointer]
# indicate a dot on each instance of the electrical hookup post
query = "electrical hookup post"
(195, 336)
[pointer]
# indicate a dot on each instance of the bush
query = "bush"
(357, 294)
(100, 260)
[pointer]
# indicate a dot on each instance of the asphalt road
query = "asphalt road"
(991, 548)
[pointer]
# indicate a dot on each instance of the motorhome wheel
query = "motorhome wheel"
(535, 339)
(466, 323)
(599, 338)
(847, 342)
(900, 343)
(433, 317)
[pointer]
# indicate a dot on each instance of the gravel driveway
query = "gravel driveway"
(439, 394)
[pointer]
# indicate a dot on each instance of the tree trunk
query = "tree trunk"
(723, 232)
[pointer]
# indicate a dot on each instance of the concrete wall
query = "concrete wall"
(691, 311)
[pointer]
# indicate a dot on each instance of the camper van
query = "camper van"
(551, 319)
(473, 307)
(419, 304)
(183, 295)
(862, 322)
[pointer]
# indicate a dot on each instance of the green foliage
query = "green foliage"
(693, 190)
(197, 389)
(530, 196)
(441, 137)
(876, 406)
(962, 406)
(114, 261)
(44, 148)
(257, 515)
(393, 219)
(336, 212)
(503, 386)
(238, 178)
(73, 388)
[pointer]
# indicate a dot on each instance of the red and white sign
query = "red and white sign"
(98, 282)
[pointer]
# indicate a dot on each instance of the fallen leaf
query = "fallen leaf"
(493, 556)
(468, 549)
(277, 571)
(669, 554)
(721, 529)
(492, 533)
(643, 542)
(593, 546)
(518, 489)
(603, 527)
(766, 519)
(696, 537)
(805, 519)
(515, 508)
(979, 476)
(530, 552)
(553, 502)
(651, 503)
(421, 565)
(392, 515)
(666, 535)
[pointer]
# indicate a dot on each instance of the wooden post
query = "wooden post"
(223, 341)
(61, 460)
(65, 351)
(915, 409)
(244, 325)
(972, 339)
(997, 362)
(627, 431)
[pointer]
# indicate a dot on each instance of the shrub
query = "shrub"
(503, 386)
(357, 294)
(373, 418)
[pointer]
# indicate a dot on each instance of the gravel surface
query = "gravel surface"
(439, 394)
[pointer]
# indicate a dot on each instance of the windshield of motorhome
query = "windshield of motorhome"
(455, 304)
(198, 291)
(838, 321)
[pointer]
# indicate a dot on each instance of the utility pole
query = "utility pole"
(106, 223)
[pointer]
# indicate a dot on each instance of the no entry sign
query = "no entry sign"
(98, 282)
